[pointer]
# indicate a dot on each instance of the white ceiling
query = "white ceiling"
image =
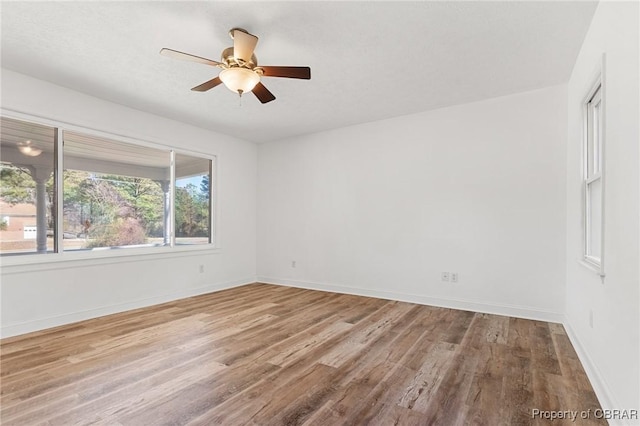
(369, 60)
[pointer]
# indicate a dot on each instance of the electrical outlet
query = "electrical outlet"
(202, 269)
(444, 276)
(293, 263)
(454, 277)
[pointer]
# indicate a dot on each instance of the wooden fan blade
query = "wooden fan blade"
(187, 57)
(287, 72)
(243, 45)
(262, 93)
(207, 85)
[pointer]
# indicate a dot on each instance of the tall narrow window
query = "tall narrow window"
(593, 181)
(193, 200)
(27, 165)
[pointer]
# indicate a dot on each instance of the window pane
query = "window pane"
(115, 194)
(597, 145)
(594, 195)
(594, 134)
(192, 200)
(27, 212)
(590, 142)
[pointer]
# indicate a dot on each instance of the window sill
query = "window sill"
(593, 267)
(65, 260)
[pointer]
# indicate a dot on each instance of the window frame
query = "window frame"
(30, 262)
(593, 169)
(213, 193)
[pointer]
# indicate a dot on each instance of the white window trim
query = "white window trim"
(597, 83)
(33, 262)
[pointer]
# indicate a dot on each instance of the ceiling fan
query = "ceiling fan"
(240, 71)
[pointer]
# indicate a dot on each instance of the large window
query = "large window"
(113, 194)
(593, 177)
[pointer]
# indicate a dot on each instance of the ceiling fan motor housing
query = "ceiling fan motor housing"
(229, 59)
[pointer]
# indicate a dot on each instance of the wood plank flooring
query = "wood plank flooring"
(269, 355)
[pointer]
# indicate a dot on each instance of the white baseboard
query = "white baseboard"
(602, 390)
(465, 305)
(10, 330)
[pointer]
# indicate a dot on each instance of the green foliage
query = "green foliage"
(16, 185)
(3, 225)
(144, 199)
(192, 212)
(89, 200)
(94, 203)
(124, 231)
(112, 210)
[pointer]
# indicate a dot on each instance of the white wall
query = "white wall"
(41, 296)
(490, 190)
(610, 350)
(383, 208)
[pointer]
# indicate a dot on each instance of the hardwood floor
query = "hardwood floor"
(269, 355)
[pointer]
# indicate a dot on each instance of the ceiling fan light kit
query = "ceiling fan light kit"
(240, 71)
(239, 80)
